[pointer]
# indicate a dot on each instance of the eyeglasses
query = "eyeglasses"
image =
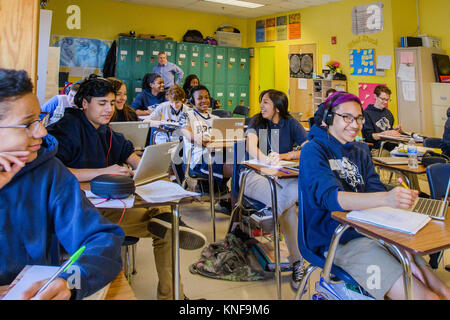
(385, 99)
(349, 118)
(32, 127)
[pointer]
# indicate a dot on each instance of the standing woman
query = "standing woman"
(271, 136)
(122, 111)
(152, 94)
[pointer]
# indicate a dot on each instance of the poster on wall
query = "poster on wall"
(366, 95)
(282, 28)
(294, 26)
(367, 19)
(362, 62)
(260, 30)
(270, 29)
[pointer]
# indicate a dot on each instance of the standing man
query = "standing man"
(379, 120)
(170, 72)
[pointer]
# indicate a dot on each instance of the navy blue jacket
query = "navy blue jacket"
(377, 120)
(43, 205)
(445, 144)
(81, 146)
(145, 99)
(326, 167)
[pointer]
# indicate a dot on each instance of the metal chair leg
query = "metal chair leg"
(133, 258)
(276, 235)
(304, 282)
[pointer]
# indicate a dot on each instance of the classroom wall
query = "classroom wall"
(434, 17)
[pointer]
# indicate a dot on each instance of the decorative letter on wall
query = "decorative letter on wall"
(367, 18)
(74, 20)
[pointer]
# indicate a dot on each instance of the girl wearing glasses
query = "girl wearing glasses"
(337, 174)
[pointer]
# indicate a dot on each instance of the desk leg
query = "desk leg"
(332, 251)
(381, 147)
(175, 252)
(211, 195)
(273, 189)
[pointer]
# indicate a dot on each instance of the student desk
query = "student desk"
(271, 174)
(384, 139)
(432, 238)
(120, 289)
(409, 174)
(175, 206)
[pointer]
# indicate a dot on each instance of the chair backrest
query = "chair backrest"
(309, 255)
(222, 113)
(432, 142)
(438, 175)
(242, 110)
(239, 155)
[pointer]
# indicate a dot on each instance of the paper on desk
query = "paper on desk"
(113, 203)
(163, 191)
(282, 163)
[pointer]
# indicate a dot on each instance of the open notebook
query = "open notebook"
(390, 218)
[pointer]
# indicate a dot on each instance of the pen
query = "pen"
(402, 183)
(63, 268)
(284, 171)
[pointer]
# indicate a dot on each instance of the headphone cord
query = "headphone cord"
(110, 144)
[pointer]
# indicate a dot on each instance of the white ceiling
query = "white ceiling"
(270, 6)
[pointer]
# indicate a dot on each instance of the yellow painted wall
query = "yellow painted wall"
(105, 19)
(434, 18)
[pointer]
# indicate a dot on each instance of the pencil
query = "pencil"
(402, 183)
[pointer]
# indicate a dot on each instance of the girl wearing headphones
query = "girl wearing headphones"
(337, 174)
(152, 94)
(271, 136)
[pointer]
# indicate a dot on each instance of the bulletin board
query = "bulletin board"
(365, 93)
(362, 62)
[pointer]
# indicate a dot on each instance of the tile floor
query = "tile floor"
(144, 283)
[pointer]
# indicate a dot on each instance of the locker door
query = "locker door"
(220, 94)
(232, 97)
(170, 48)
(242, 98)
(140, 60)
(183, 58)
(153, 48)
(244, 67)
(129, 86)
(233, 66)
(137, 88)
(125, 57)
(220, 65)
(195, 60)
(207, 69)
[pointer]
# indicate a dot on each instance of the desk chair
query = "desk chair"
(129, 256)
(437, 175)
(432, 142)
(221, 113)
(317, 260)
(241, 110)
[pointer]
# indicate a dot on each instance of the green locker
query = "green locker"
(182, 61)
(244, 67)
(195, 59)
(207, 66)
(232, 97)
(129, 86)
(243, 92)
(220, 94)
(220, 65)
(170, 48)
(125, 57)
(233, 66)
(137, 88)
(154, 47)
(140, 63)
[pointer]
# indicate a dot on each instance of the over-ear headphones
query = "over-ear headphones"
(328, 115)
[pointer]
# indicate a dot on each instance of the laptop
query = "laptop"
(391, 160)
(233, 126)
(436, 209)
(135, 131)
(154, 163)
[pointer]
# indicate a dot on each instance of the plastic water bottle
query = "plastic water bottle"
(412, 154)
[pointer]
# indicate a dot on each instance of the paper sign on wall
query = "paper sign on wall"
(302, 84)
(325, 59)
(409, 90)
(384, 62)
(406, 73)
(406, 57)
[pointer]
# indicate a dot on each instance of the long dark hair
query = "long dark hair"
(128, 112)
(187, 84)
(280, 102)
(149, 78)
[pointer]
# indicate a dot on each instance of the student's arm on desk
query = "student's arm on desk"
(398, 197)
(133, 160)
(85, 175)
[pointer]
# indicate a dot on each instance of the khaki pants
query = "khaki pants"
(134, 223)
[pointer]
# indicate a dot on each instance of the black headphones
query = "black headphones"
(328, 115)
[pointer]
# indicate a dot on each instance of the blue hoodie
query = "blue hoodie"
(146, 99)
(43, 205)
(326, 167)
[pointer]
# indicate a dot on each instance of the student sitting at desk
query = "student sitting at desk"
(57, 105)
(271, 137)
(169, 112)
(337, 174)
(122, 111)
(380, 121)
(152, 94)
(192, 81)
(42, 204)
(445, 143)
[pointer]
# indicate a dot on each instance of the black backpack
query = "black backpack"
(193, 36)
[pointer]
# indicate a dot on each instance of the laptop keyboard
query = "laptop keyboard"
(430, 207)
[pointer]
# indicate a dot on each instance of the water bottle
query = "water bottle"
(412, 154)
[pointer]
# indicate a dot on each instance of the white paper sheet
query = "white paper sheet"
(406, 73)
(302, 84)
(163, 191)
(325, 59)
(409, 90)
(384, 62)
(101, 203)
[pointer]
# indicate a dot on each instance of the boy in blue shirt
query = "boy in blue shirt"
(42, 204)
(337, 174)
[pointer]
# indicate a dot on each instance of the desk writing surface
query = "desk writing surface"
(274, 172)
(434, 237)
(401, 167)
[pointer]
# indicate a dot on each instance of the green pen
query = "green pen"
(63, 268)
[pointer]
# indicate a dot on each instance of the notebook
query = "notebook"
(391, 160)
(436, 209)
(391, 218)
(227, 129)
(154, 163)
(135, 131)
